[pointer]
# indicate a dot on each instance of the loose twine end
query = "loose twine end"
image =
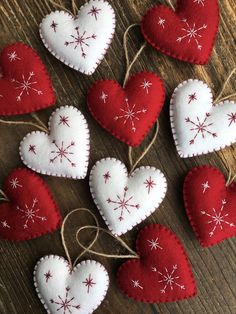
(62, 7)
(219, 98)
(231, 178)
(3, 196)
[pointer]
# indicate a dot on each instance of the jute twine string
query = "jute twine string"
(3, 196)
(62, 7)
(231, 178)
(219, 98)
(40, 127)
(170, 4)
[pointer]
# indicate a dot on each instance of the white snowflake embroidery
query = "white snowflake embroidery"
(63, 153)
(66, 304)
(205, 187)
(136, 284)
(192, 33)
(12, 56)
(200, 2)
(232, 118)
(146, 85)
(201, 128)
(218, 219)
(161, 22)
(129, 114)
(15, 183)
(123, 203)
(154, 244)
(103, 97)
(30, 213)
(5, 224)
(169, 279)
(26, 86)
(80, 40)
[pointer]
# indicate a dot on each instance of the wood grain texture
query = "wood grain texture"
(214, 268)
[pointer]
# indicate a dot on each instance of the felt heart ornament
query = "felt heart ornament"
(210, 205)
(187, 34)
(64, 152)
(25, 85)
(63, 291)
(30, 211)
(198, 126)
(125, 200)
(162, 273)
(82, 41)
(127, 113)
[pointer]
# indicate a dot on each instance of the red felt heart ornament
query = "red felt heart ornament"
(24, 84)
(187, 34)
(31, 211)
(162, 274)
(127, 113)
(210, 205)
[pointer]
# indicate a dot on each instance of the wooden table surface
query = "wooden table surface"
(214, 268)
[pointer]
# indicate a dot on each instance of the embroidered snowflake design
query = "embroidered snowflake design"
(218, 219)
(63, 152)
(123, 203)
(66, 304)
(129, 114)
(192, 33)
(89, 282)
(192, 97)
(146, 85)
(200, 2)
(94, 12)
(80, 40)
(201, 128)
(149, 184)
(5, 224)
(54, 26)
(205, 187)
(103, 97)
(64, 121)
(15, 183)
(12, 56)
(30, 213)
(26, 85)
(154, 244)
(32, 148)
(47, 276)
(169, 279)
(136, 284)
(232, 118)
(107, 176)
(161, 22)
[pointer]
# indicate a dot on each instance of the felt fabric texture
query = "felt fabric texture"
(198, 126)
(63, 291)
(64, 152)
(25, 85)
(31, 210)
(127, 113)
(82, 41)
(163, 272)
(187, 34)
(125, 200)
(210, 205)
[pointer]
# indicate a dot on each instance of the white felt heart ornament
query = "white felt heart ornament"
(64, 152)
(200, 127)
(124, 201)
(82, 41)
(70, 292)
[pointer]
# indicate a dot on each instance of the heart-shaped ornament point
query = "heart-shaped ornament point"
(125, 200)
(198, 126)
(162, 273)
(63, 291)
(64, 152)
(82, 41)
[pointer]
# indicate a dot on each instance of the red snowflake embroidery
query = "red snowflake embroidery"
(65, 304)
(80, 41)
(54, 26)
(63, 153)
(200, 128)
(89, 282)
(32, 148)
(192, 97)
(64, 120)
(149, 184)
(123, 203)
(107, 176)
(47, 275)
(232, 118)
(94, 11)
